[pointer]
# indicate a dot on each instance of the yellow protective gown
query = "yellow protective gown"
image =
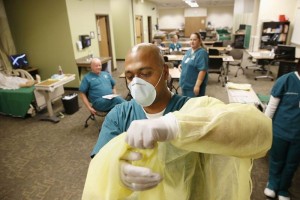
(210, 159)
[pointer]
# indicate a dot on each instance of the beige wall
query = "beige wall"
(41, 30)
(171, 18)
(220, 16)
(146, 10)
(82, 20)
(121, 12)
(278, 8)
(174, 18)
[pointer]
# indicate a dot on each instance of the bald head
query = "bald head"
(145, 52)
(95, 61)
(145, 61)
(96, 65)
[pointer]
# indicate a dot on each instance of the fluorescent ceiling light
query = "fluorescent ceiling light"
(191, 3)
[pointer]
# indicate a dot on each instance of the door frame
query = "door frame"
(149, 21)
(107, 24)
(141, 28)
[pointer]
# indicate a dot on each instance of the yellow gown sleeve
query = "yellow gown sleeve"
(207, 125)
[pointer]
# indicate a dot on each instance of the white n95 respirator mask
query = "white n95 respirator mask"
(144, 93)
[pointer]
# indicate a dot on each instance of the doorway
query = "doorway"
(139, 29)
(103, 36)
(149, 29)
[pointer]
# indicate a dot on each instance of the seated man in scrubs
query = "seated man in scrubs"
(175, 46)
(203, 151)
(97, 84)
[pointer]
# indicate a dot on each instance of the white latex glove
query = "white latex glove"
(144, 133)
(137, 178)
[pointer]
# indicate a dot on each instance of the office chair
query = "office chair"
(92, 116)
(215, 66)
(237, 55)
(203, 35)
(170, 81)
(166, 58)
(213, 52)
(250, 59)
(286, 67)
(264, 63)
(218, 44)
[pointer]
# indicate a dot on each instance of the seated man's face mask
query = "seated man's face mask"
(144, 93)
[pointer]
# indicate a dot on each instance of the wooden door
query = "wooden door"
(103, 36)
(194, 24)
(139, 29)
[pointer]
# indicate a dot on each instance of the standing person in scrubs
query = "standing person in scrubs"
(284, 156)
(194, 66)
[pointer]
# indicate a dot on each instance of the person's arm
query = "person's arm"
(208, 125)
(272, 106)
(114, 90)
(200, 78)
(87, 103)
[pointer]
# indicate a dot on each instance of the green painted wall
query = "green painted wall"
(41, 29)
(47, 30)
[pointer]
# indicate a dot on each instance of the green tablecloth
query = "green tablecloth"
(16, 102)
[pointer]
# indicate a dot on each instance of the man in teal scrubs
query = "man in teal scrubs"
(175, 46)
(146, 68)
(97, 84)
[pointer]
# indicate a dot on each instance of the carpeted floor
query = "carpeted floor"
(42, 160)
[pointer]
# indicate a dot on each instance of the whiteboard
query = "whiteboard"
(296, 33)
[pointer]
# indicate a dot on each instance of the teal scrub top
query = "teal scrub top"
(97, 85)
(191, 65)
(286, 120)
(120, 117)
(175, 47)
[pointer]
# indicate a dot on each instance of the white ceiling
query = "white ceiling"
(161, 4)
